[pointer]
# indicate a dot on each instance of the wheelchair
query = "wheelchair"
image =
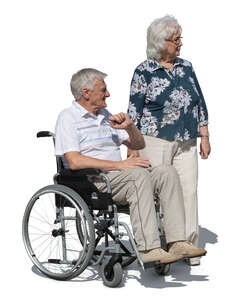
(70, 225)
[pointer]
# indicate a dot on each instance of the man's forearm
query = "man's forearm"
(136, 138)
(77, 161)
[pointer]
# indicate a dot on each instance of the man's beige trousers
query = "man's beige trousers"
(138, 187)
(183, 156)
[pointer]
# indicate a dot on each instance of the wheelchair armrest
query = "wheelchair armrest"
(79, 173)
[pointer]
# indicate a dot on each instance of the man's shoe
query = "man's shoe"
(158, 254)
(186, 249)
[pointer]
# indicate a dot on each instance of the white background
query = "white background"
(42, 44)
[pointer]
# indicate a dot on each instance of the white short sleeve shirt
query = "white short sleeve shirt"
(79, 130)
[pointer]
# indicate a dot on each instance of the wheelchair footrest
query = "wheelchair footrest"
(98, 252)
(151, 265)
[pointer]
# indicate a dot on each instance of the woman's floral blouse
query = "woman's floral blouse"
(167, 105)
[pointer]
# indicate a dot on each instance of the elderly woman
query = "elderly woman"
(167, 105)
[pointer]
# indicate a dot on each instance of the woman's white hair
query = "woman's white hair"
(85, 78)
(158, 32)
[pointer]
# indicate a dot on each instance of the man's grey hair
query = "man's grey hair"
(85, 78)
(158, 32)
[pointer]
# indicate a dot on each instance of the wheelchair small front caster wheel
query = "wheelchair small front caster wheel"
(162, 269)
(112, 276)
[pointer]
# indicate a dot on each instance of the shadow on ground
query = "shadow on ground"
(179, 274)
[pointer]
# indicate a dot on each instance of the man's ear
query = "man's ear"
(85, 93)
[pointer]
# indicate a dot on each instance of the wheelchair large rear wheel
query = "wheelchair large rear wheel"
(50, 232)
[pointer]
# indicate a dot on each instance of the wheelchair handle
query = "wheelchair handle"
(45, 134)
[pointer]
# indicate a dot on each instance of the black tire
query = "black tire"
(79, 229)
(50, 232)
(113, 277)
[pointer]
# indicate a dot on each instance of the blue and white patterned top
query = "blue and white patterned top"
(167, 105)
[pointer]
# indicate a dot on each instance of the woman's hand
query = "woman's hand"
(205, 147)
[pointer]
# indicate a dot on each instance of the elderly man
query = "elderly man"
(88, 136)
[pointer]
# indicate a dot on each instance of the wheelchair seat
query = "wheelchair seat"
(80, 183)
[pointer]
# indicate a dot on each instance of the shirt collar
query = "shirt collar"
(84, 112)
(155, 65)
(178, 61)
(80, 108)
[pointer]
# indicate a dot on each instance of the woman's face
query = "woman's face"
(174, 45)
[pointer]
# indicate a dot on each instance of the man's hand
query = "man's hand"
(120, 121)
(133, 162)
(132, 153)
(205, 148)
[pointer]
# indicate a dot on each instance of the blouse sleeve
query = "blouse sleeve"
(138, 90)
(202, 108)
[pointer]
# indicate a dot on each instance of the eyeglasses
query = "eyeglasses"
(176, 41)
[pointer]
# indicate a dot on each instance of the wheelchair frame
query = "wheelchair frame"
(76, 218)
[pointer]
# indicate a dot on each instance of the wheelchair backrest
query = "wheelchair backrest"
(78, 181)
(59, 163)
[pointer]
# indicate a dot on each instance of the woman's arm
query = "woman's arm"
(202, 108)
(138, 90)
(205, 147)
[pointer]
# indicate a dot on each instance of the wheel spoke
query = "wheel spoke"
(51, 232)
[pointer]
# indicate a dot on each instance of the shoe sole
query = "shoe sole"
(163, 261)
(193, 256)
(153, 264)
(169, 261)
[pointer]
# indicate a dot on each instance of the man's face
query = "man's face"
(98, 95)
